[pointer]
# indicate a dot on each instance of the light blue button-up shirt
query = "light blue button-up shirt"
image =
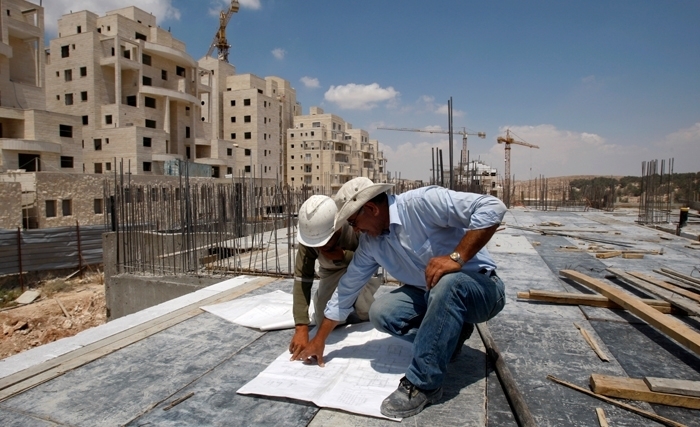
(423, 223)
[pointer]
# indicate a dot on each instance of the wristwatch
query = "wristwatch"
(456, 257)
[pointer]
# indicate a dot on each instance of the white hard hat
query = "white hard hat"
(316, 221)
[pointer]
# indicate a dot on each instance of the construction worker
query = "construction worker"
(432, 240)
(333, 245)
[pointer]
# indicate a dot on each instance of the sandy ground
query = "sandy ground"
(44, 321)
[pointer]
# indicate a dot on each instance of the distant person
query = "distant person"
(333, 247)
(432, 240)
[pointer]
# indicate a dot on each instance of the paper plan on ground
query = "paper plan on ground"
(363, 367)
(265, 312)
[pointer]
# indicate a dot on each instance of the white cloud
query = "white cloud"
(218, 5)
(683, 146)
(54, 9)
(310, 82)
(279, 53)
(442, 110)
(360, 97)
(588, 79)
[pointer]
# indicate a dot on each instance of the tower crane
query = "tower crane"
(508, 140)
(463, 132)
(220, 42)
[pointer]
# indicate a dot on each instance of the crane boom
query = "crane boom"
(220, 42)
(508, 140)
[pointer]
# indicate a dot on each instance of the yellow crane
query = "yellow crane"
(508, 140)
(220, 42)
(462, 132)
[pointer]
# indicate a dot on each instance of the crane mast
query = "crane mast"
(508, 141)
(220, 43)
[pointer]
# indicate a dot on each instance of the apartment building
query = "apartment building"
(135, 89)
(324, 152)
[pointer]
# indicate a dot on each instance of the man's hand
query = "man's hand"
(313, 350)
(437, 267)
(299, 341)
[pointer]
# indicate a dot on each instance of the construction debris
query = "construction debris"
(637, 389)
(28, 297)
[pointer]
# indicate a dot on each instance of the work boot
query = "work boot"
(464, 334)
(408, 400)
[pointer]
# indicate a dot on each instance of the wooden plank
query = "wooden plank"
(673, 288)
(645, 414)
(668, 385)
(689, 280)
(632, 256)
(35, 375)
(666, 324)
(606, 255)
(570, 298)
(676, 300)
(594, 345)
(636, 389)
(601, 417)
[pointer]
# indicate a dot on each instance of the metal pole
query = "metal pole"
(432, 157)
(449, 113)
(80, 253)
(19, 255)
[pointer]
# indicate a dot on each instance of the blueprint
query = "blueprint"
(265, 312)
(363, 367)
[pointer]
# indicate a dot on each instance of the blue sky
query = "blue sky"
(599, 86)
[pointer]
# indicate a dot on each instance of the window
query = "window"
(312, 133)
(247, 135)
(150, 102)
(98, 144)
(233, 120)
(108, 119)
(98, 206)
(150, 124)
(247, 169)
(260, 91)
(83, 96)
(233, 136)
(180, 71)
(65, 131)
(67, 207)
(146, 81)
(146, 166)
(146, 59)
(83, 71)
(85, 120)
(126, 54)
(68, 75)
(247, 151)
(215, 171)
(66, 162)
(50, 208)
(65, 53)
(246, 119)
(98, 167)
(147, 141)
(108, 166)
(246, 102)
(229, 151)
(316, 124)
(229, 171)
(187, 152)
(187, 132)
(140, 36)
(131, 100)
(233, 102)
(164, 74)
(79, 29)
(68, 98)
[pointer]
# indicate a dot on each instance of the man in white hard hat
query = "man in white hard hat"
(432, 240)
(332, 244)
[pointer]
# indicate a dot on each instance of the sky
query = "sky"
(599, 86)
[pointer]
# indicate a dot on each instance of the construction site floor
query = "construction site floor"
(133, 370)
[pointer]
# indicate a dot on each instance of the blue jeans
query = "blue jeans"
(432, 320)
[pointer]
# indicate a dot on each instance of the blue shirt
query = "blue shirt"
(423, 223)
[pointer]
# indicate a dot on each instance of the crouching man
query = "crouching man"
(432, 240)
(333, 247)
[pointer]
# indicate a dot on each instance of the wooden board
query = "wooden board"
(673, 288)
(636, 389)
(571, 298)
(690, 307)
(606, 255)
(666, 324)
(668, 385)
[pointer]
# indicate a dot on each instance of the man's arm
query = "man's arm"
(301, 296)
(317, 345)
(471, 243)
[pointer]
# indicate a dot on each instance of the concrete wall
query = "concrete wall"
(11, 206)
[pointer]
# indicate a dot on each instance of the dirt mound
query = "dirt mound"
(44, 320)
